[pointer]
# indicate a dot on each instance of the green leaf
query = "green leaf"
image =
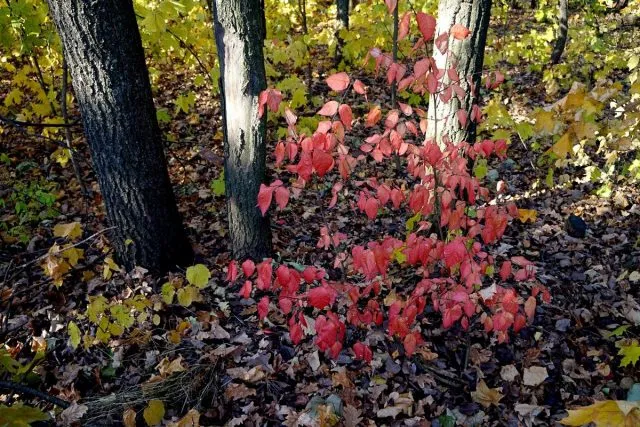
(74, 334)
(198, 275)
(217, 185)
(19, 415)
(617, 332)
(630, 352)
(168, 291)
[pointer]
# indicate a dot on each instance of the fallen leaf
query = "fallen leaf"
(486, 396)
(154, 412)
(535, 376)
(607, 413)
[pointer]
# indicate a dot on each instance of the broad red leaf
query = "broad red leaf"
(410, 344)
(359, 87)
(391, 5)
(505, 270)
(346, 116)
(462, 117)
(459, 32)
(264, 198)
(265, 273)
(363, 352)
(322, 162)
(454, 253)
(263, 307)
(371, 208)
(320, 297)
(426, 25)
(329, 109)
(295, 332)
(392, 119)
(245, 291)
(248, 267)
(405, 108)
(338, 81)
(232, 271)
(403, 29)
(282, 197)
(280, 151)
(442, 42)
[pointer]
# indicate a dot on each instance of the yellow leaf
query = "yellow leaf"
(74, 334)
(19, 415)
(73, 255)
(154, 412)
(562, 147)
(608, 413)
(486, 396)
(198, 275)
(72, 230)
(525, 215)
(168, 292)
(187, 295)
(166, 367)
(545, 122)
(108, 267)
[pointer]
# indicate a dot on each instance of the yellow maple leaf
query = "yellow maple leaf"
(72, 230)
(608, 413)
(486, 396)
(525, 215)
(545, 122)
(562, 147)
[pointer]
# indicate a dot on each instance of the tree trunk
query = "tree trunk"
(443, 121)
(343, 22)
(561, 40)
(103, 48)
(240, 32)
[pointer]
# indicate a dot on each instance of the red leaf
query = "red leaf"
(405, 108)
(282, 197)
(338, 81)
(248, 267)
(264, 198)
(280, 152)
(274, 99)
(432, 83)
(392, 119)
(454, 253)
(391, 5)
(363, 352)
(442, 42)
(265, 271)
(459, 32)
(263, 307)
(371, 208)
(409, 344)
(346, 116)
(285, 305)
(232, 271)
(322, 162)
(426, 24)
(329, 109)
(403, 29)
(359, 87)
(462, 117)
(505, 270)
(262, 100)
(320, 297)
(245, 291)
(295, 332)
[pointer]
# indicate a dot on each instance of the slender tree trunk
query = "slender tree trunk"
(561, 40)
(343, 22)
(240, 32)
(302, 7)
(468, 56)
(104, 52)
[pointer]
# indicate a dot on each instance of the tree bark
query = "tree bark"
(104, 51)
(240, 31)
(343, 22)
(561, 40)
(468, 56)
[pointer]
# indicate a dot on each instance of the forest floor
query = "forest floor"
(240, 372)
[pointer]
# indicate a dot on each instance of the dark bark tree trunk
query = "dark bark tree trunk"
(561, 40)
(468, 55)
(103, 48)
(343, 22)
(240, 32)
